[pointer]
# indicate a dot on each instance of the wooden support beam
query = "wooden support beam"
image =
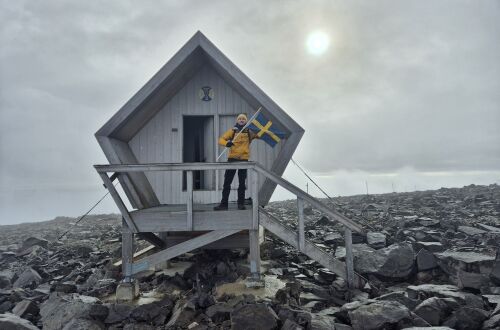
(254, 187)
(153, 239)
(349, 259)
(253, 236)
(179, 249)
(127, 251)
(118, 202)
(300, 207)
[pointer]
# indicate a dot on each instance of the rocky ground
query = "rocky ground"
(431, 260)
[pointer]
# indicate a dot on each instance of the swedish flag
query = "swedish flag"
(266, 131)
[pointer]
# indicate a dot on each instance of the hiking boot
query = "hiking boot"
(241, 207)
(220, 207)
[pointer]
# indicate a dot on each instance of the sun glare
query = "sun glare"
(317, 42)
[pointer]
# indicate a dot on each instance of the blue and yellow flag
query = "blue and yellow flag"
(266, 131)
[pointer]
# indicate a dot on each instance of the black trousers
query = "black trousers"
(228, 179)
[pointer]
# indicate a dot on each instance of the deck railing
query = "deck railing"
(254, 169)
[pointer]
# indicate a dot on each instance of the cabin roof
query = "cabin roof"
(171, 78)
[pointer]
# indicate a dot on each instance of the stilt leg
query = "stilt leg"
(127, 252)
(129, 288)
(254, 253)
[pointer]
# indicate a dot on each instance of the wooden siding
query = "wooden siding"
(160, 140)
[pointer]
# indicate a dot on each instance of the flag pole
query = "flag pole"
(246, 125)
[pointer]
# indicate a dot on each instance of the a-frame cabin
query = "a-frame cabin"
(162, 147)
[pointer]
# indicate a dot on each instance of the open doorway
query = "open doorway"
(198, 146)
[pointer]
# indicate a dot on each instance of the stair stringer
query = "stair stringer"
(286, 234)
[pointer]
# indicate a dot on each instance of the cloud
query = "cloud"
(404, 84)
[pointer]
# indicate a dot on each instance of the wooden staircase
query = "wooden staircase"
(324, 258)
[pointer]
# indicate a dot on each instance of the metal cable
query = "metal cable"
(83, 216)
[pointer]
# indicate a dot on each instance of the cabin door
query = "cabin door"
(199, 146)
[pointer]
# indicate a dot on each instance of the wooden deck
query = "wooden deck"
(172, 218)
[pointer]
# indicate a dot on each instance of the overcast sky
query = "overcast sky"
(407, 94)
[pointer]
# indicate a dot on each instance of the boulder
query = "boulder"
(25, 307)
(425, 260)
(451, 261)
(401, 297)
(425, 291)
(118, 313)
(471, 280)
(467, 318)
(395, 261)
(471, 230)
(182, 315)
(378, 315)
(29, 243)
(10, 321)
(29, 278)
(219, 312)
(253, 316)
(6, 279)
(495, 272)
(83, 324)
(492, 323)
(376, 240)
(435, 310)
(59, 309)
(429, 246)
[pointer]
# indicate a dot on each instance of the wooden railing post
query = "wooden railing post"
(349, 262)
(189, 199)
(300, 206)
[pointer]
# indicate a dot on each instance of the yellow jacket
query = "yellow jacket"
(241, 147)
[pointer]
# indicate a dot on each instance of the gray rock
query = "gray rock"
(378, 315)
(401, 297)
(435, 310)
(10, 321)
(29, 278)
(428, 328)
(291, 325)
(467, 318)
(376, 240)
(429, 246)
(31, 242)
(59, 309)
(357, 249)
(25, 307)
(492, 323)
(424, 291)
(83, 324)
(6, 279)
(395, 261)
(451, 261)
(219, 312)
(322, 322)
(118, 313)
(182, 315)
(425, 260)
(253, 316)
(495, 272)
(333, 238)
(472, 280)
(471, 230)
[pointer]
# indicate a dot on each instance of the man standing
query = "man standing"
(239, 151)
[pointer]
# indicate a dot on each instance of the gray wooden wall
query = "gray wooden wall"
(160, 140)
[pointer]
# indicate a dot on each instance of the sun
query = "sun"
(317, 42)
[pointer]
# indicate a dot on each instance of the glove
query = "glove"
(229, 144)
